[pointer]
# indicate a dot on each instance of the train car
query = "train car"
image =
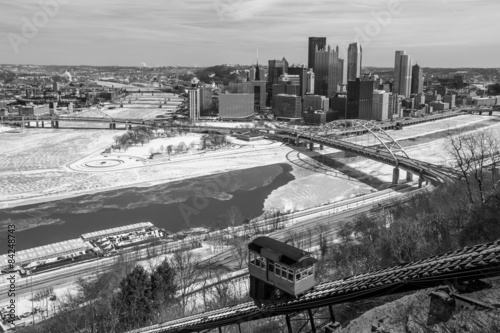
(278, 271)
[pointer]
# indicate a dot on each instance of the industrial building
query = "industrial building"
(236, 106)
(45, 252)
(91, 236)
(287, 107)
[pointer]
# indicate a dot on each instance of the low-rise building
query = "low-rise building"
(314, 117)
(450, 99)
(236, 106)
(440, 106)
(287, 107)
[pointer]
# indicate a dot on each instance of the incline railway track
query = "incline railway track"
(470, 263)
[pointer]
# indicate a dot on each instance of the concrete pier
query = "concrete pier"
(420, 181)
(395, 176)
(321, 147)
(311, 146)
(409, 176)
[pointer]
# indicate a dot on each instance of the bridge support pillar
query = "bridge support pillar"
(297, 142)
(114, 125)
(395, 176)
(43, 124)
(51, 124)
(409, 176)
(480, 113)
(37, 124)
(321, 147)
(311, 146)
(56, 123)
(420, 181)
(490, 113)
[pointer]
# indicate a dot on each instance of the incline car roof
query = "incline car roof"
(290, 255)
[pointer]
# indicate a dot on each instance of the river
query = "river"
(205, 201)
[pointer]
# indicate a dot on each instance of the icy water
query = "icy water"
(205, 201)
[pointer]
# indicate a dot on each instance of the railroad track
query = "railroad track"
(470, 263)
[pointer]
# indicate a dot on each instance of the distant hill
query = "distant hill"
(7, 76)
(218, 74)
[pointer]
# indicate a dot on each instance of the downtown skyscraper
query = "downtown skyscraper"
(328, 71)
(402, 74)
(354, 61)
(417, 80)
(315, 42)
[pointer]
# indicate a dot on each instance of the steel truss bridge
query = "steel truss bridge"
(453, 268)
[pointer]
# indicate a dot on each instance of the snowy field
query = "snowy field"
(37, 166)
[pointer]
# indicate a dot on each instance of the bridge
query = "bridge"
(388, 151)
(455, 268)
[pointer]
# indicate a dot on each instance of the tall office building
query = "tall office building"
(194, 103)
(310, 82)
(315, 43)
(417, 80)
(359, 99)
(354, 61)
(327, 73)
(206, 101)
(402, 74)
(380, 106)
(302, 73)
(276, 69)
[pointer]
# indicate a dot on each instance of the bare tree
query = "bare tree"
(472, 152)
(185, 265)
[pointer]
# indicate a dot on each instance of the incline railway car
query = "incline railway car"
(278, 271)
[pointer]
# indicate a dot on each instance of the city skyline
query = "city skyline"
(195, 33)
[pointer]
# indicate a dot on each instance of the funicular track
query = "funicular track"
(470, 263)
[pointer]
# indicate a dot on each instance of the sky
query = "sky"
(437, 33)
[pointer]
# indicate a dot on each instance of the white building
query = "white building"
(380, 106)
(194, 103)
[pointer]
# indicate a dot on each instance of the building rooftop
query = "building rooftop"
(117, 231)
(46, 251)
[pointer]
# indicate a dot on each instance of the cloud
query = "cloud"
(208, 32)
